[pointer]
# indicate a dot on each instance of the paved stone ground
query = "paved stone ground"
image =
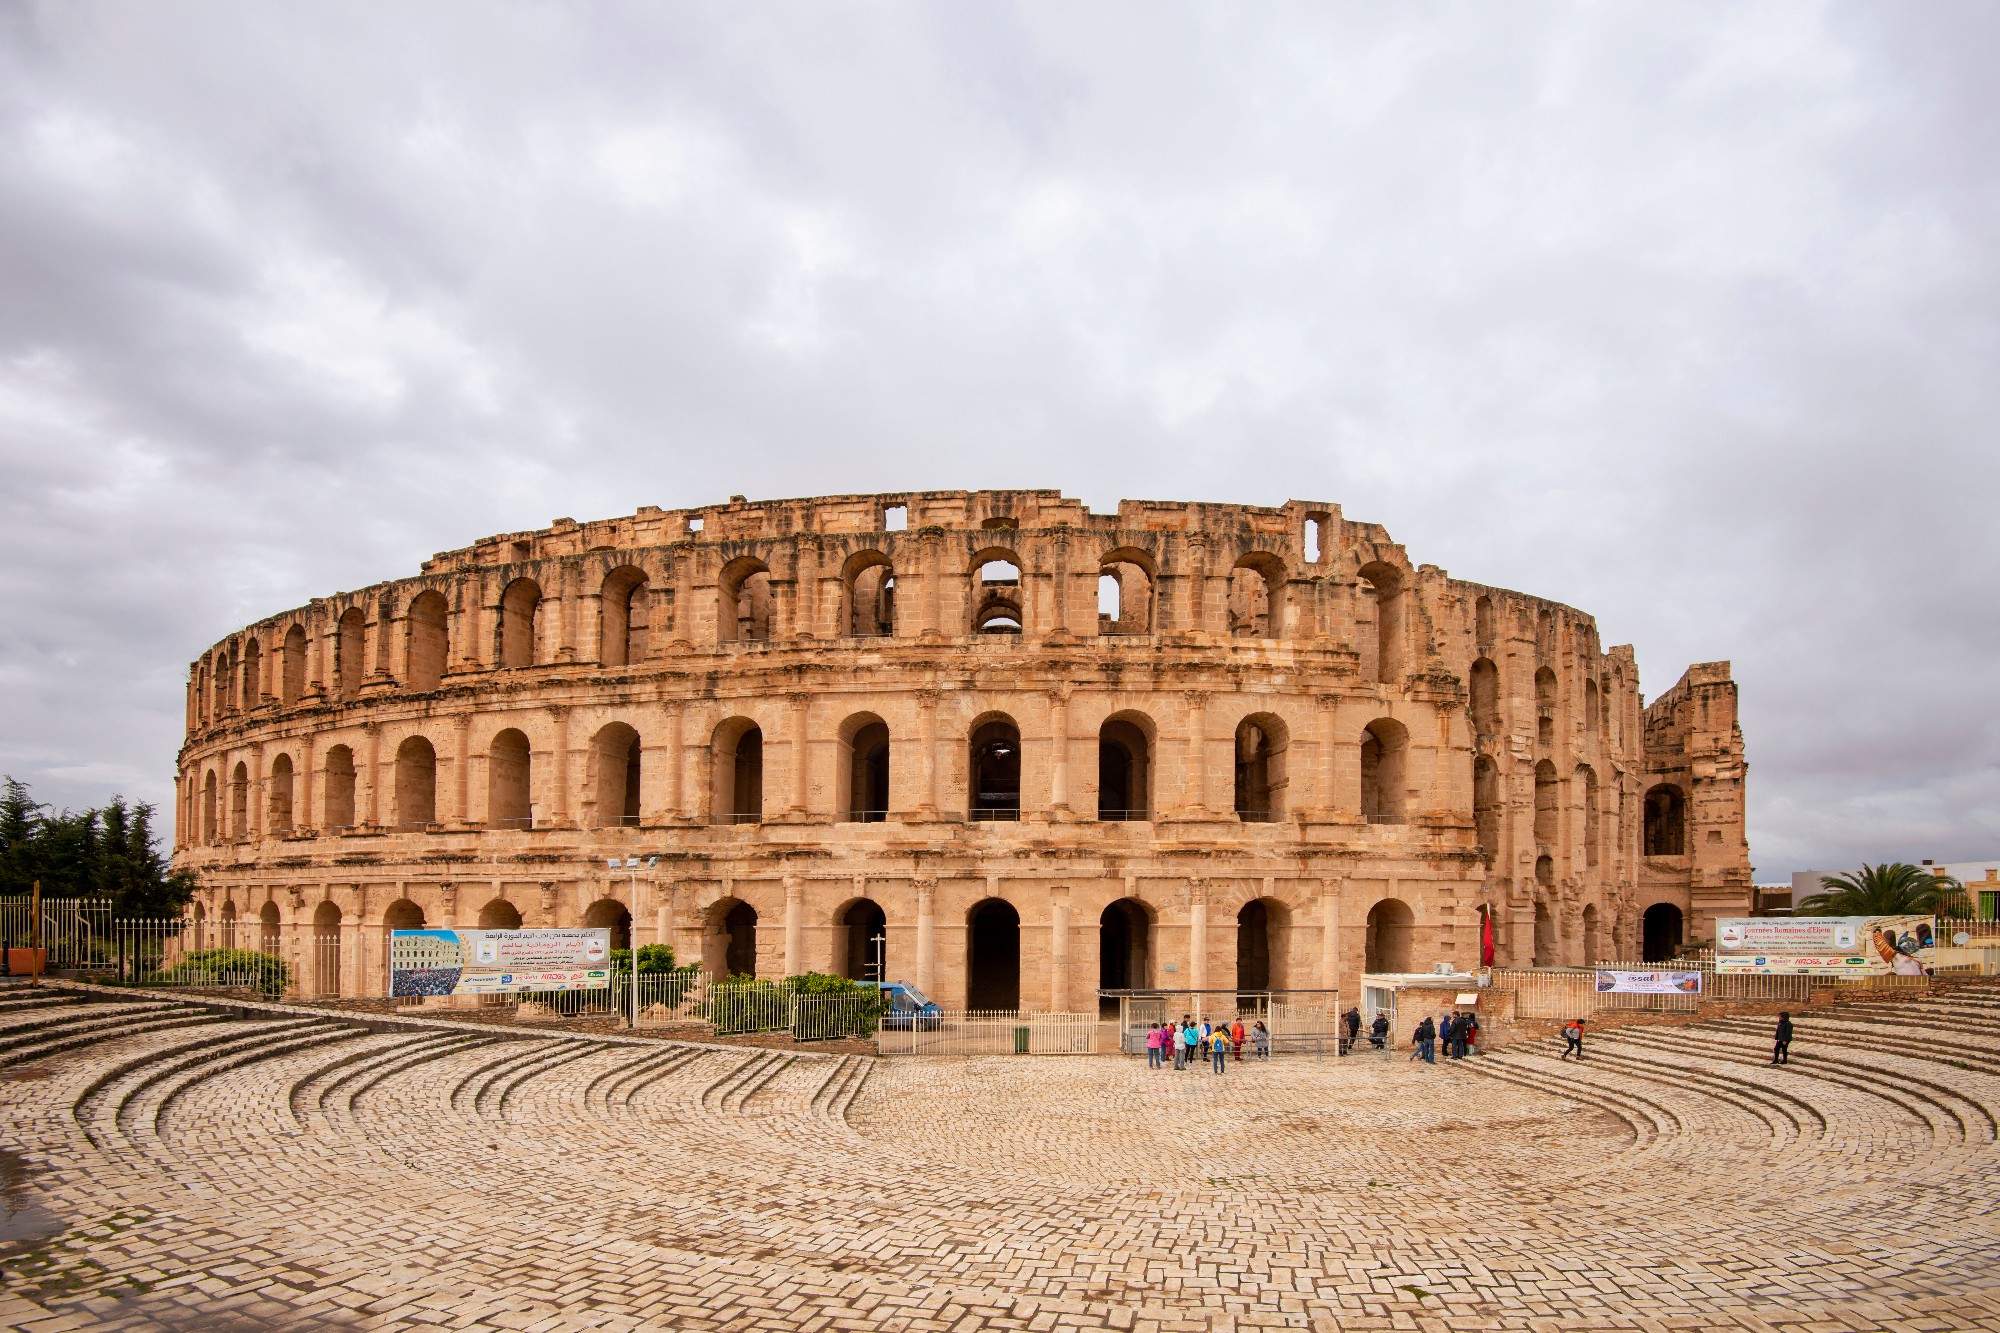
(167, 1170)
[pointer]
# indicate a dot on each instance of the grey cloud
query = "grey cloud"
(1683, 315)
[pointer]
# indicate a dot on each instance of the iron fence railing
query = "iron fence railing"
(989, 1032)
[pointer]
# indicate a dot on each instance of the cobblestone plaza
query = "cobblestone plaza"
(169, 1169)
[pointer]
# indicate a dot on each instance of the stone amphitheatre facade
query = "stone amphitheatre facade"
(989, 742)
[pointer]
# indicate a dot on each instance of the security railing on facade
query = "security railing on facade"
(1110, 815)
(996, 816)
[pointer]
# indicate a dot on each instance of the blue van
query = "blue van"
(908, 1009)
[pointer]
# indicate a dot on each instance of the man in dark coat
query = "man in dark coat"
(1781, 1046)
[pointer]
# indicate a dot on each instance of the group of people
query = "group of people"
(1456, 1031)
(1378, 1031)
(1188, 1043)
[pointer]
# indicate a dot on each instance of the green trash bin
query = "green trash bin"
(1020, 1041)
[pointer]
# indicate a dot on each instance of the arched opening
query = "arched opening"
(1485, 698)
(1125, 593)
(738, 794)
(1385, 747)
(1382, 599)
(743, 602)
(1666, 821)
(1592, 709)
(209, 804)
(338, 788)
(228, 924)
(1263, 931)
(225, 683)
(326, 949)
(869, 584)
(729, 940)
(997, 606)
(253, 674)
(292, 676)
(1592, 946)
(349, 645)
(239, 801)
(399, 915)
(416, 783)
(1392, 927)
(1482, 622)
(1545, 873)
(279, 818)
(1124, 948)
(1660, 931)
(1486, 806)
(429, 641)
(861, 940)
(1261, 742)
(1548, 805)
(864, 740)
(993, 956)
(499, 914)
(201, 695)
(622, 618)
(614, 775)
(520, 610)
(1545, 932)
(1545, 706)
(509, 764)
(612, 915)
(1256, 597)
(1592, 821)
(269, 929)
(995, 770)
(1124, 769)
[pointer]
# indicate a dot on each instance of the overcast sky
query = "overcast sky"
(1683, 314)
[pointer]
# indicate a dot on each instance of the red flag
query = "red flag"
(1485, 937)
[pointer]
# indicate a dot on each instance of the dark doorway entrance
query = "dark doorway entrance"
(867, 929)
(740, 928)
(1253, 947)
(1124, 938)
(1662, 932)
(993, 956)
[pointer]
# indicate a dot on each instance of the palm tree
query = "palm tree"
(1890, 889)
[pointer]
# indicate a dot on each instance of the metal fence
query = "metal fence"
(1557, 993)
(989, 1032)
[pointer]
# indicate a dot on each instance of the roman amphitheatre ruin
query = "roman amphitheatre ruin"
(990, 742)
(1026, 755)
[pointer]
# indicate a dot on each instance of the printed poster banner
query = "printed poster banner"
(1829, 946)
(497, 962)
(1648, 983)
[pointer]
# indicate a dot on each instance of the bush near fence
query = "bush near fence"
(234, 969)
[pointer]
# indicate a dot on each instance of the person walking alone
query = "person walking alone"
(1218, 1046)
(1781, 1046)
(1573, 1035)
(1352, 1019)
(1261, 1037)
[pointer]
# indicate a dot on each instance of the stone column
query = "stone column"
(799, 704)
(462, 726)
(559, 805)
(675, 804)
(1059, 742)
(1059, 950)
(447, 906)
(666, 901)
(926, 932)
(1329, 739)
(1197, 933)
(1197, 751)
(1329, 938)
(374, 771)
(927, 788)
(795, 927)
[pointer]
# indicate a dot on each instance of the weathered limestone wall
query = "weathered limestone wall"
(532, 705)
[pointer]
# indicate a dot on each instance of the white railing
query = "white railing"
(988, 1032)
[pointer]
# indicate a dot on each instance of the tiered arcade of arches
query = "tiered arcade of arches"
(1178, 743)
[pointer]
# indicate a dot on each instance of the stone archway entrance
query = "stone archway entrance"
(1662, 927)
(993, 956)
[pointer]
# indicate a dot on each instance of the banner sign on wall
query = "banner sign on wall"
(1648, 983)
(497, 962)
(1832, 946)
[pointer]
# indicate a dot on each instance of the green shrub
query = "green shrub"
(265, 973)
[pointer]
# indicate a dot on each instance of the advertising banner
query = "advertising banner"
(1830, 946)
(1648, 983)
(497, 962)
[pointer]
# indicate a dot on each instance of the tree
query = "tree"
(100, 853)
(1890, 889)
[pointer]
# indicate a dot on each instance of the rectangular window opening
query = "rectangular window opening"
(895, 518)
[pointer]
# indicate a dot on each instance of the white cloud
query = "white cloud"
(1685, 316)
